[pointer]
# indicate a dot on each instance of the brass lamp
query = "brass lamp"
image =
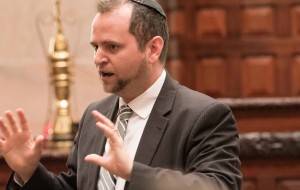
(60, 62)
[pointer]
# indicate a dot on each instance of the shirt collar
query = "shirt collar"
(143, 104)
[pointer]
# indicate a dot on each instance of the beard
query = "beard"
(133, 81)
(121, 84)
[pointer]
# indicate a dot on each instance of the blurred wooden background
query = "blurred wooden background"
(247, 54)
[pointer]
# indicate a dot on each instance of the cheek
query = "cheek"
(128, 62)
(130, 68)
(124, 68)
(129, 65)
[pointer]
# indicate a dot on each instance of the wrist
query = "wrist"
(129, 171)
(25, 176)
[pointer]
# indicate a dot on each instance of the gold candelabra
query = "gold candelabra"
(60, 61)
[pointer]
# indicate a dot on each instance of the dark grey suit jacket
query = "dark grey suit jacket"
(190, 142)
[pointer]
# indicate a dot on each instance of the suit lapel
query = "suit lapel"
(99, 138)
(99, 145)
(157, 122)
(152, 135)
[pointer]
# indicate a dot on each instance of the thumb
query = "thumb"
(39, 143)
(94, 158)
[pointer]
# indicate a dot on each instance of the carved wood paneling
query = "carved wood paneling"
(211, 75)
(177, 24)
(257, 20)
(266, 114)
(288, 184)
(245, 33)
(176, 68)
(258, 76)
(249, 184)
(295, 76)
(178, 61)
(295, 21)
(215, 23)
(270, 145)
(269, 173)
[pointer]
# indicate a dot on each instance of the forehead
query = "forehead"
(116, 18)
(113, 27)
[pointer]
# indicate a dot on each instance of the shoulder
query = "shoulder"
(192, 99)
(185, 99)
(103, 104)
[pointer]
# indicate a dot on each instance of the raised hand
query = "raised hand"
(21, 152)
(117, 161)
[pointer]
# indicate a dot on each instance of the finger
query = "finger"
(107, 127)
(94, 158)
(4, 129)
(1, 147)
(110, 133)
(11, 121)
(23, 120)
(102, 118)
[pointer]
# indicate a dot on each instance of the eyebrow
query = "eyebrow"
(93, 43)
(105, 42)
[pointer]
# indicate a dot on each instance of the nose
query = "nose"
(100, 58)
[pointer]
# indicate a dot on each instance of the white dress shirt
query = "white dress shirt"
(141, 107)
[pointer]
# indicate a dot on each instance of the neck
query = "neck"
(128, 94)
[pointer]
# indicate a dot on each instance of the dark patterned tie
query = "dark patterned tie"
(108, 181)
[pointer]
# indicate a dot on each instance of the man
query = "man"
(176, 138)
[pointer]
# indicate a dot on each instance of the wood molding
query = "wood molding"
(269, 127)
(240, 104)
(270, 145)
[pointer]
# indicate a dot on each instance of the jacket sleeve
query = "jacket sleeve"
(212, 158)
(43, 179)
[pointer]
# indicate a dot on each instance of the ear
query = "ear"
(154, 47)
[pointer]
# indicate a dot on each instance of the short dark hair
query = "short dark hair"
(145, 23)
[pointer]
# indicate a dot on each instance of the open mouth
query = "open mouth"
(106, 74)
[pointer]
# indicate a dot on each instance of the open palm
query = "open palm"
(117, 160)
(21, 152)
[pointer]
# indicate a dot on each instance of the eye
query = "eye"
(112, 47)
(95, 47)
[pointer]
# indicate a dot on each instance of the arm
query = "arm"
(212, 162)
